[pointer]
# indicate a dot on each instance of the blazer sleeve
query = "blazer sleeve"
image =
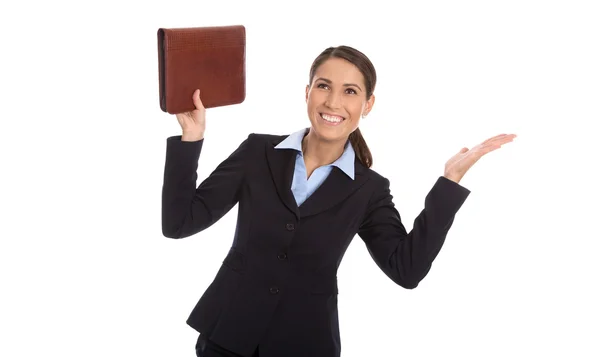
(187, 209)
(406, 258)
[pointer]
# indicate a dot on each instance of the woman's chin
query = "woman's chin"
(330, 134)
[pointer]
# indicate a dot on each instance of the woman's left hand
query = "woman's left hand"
(460, 163)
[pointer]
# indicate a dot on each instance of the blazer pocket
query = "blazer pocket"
(235, 260)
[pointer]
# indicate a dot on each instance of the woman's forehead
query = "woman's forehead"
(338, 70)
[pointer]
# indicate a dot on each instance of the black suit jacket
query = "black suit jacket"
(277, 286)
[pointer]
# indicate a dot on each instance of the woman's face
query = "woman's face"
(336, 100)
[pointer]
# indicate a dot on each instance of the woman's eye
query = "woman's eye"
(325, 86)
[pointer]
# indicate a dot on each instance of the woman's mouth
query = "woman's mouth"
(331, 119)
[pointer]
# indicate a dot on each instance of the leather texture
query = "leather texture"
(212, 59)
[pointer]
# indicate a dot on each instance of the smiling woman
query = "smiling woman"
(340, 91)
(302, 199)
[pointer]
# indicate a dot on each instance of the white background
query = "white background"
(85, 270)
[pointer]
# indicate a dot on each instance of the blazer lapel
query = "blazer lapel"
(281, 164)
(336, 187)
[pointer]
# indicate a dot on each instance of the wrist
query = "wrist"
(453, 178)
(192, 136)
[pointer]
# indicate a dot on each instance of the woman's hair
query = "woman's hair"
(367, 69)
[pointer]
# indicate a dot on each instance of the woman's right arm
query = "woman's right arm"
(187, 209)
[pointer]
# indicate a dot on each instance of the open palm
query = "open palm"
(460, 163)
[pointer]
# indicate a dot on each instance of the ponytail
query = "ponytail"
(360, 148)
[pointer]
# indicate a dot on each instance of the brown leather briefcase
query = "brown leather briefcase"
(212, 59)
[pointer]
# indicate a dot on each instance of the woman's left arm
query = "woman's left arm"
(406, 258)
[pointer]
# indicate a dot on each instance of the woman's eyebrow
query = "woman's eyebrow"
(345, 85)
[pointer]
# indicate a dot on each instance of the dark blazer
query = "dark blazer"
(277, 286)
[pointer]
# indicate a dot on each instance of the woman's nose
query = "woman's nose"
(333, 100)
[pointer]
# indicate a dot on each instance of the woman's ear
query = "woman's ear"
(307, 88)
(369, 105)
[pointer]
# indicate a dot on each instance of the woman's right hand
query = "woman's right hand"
(193, 123)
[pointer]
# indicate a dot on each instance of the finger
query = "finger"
(489, 148)
(180, 118)
(494, 138)
(502, 140)
(184, 119)
(501, 137)
(496, 141)
(197, 102)
(483, 149)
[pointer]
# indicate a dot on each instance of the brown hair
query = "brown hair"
(367, 69)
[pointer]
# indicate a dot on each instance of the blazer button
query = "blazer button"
(289, 226)
(274, 290)
(282, 256)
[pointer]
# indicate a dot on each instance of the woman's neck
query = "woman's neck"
(318, 152)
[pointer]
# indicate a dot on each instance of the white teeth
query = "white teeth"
(331, 119)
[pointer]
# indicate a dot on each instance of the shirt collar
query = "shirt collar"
(345, 162)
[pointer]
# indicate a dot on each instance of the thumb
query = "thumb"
(463, 150)
(197, 102)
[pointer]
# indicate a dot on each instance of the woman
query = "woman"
(302, 198)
